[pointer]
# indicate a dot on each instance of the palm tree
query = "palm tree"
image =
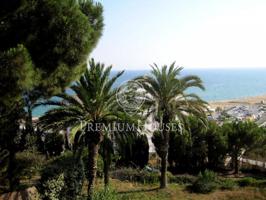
(91, 106)
(167, 99)
(107, 152)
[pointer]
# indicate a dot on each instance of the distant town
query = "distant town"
(242, 111)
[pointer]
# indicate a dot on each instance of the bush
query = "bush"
(130, 148)
(73, 178)
(53, 187)
(261, 183)
(206, 182)
(249, 181)
(74, 181)
(29, 164)
(227, 184)
(134, 175)
(26, 165)
(105, 194)
(54, 143)
(143, 176)
(182, 179)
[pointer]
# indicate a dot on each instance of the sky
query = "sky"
(193, 33)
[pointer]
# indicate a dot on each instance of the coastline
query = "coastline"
(251, 100)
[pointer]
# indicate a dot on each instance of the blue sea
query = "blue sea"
(220, 84)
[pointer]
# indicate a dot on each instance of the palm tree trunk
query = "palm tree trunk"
(163, 179)
(92, 168)
(106, 172)
(164, 157)
(236, 164)
(78, 154)
(10, 171)
(107, 152)
(164, 162)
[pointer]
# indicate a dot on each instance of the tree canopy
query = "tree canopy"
(242, 136)
(44, 44)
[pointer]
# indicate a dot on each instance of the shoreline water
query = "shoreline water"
(249, 100)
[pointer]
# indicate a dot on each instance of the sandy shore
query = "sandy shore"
(242, 101)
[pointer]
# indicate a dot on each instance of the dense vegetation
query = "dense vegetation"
(70, 146)
(194, 145)
(44, 47)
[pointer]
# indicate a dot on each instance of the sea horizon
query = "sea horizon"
(220, 84)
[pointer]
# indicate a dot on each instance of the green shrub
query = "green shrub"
(134, 175)
(261, 183)
(206, 182)
(149, 177)
(73, 173)
(26, 165)
(53, 187)
(182, 179)
(130, 147)
(143, 176)
(227, 184)
(54, 143)
(74, 181)
(29, 164)
(247, 181)
(105, 194)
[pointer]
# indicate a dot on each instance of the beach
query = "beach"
(240, 101)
